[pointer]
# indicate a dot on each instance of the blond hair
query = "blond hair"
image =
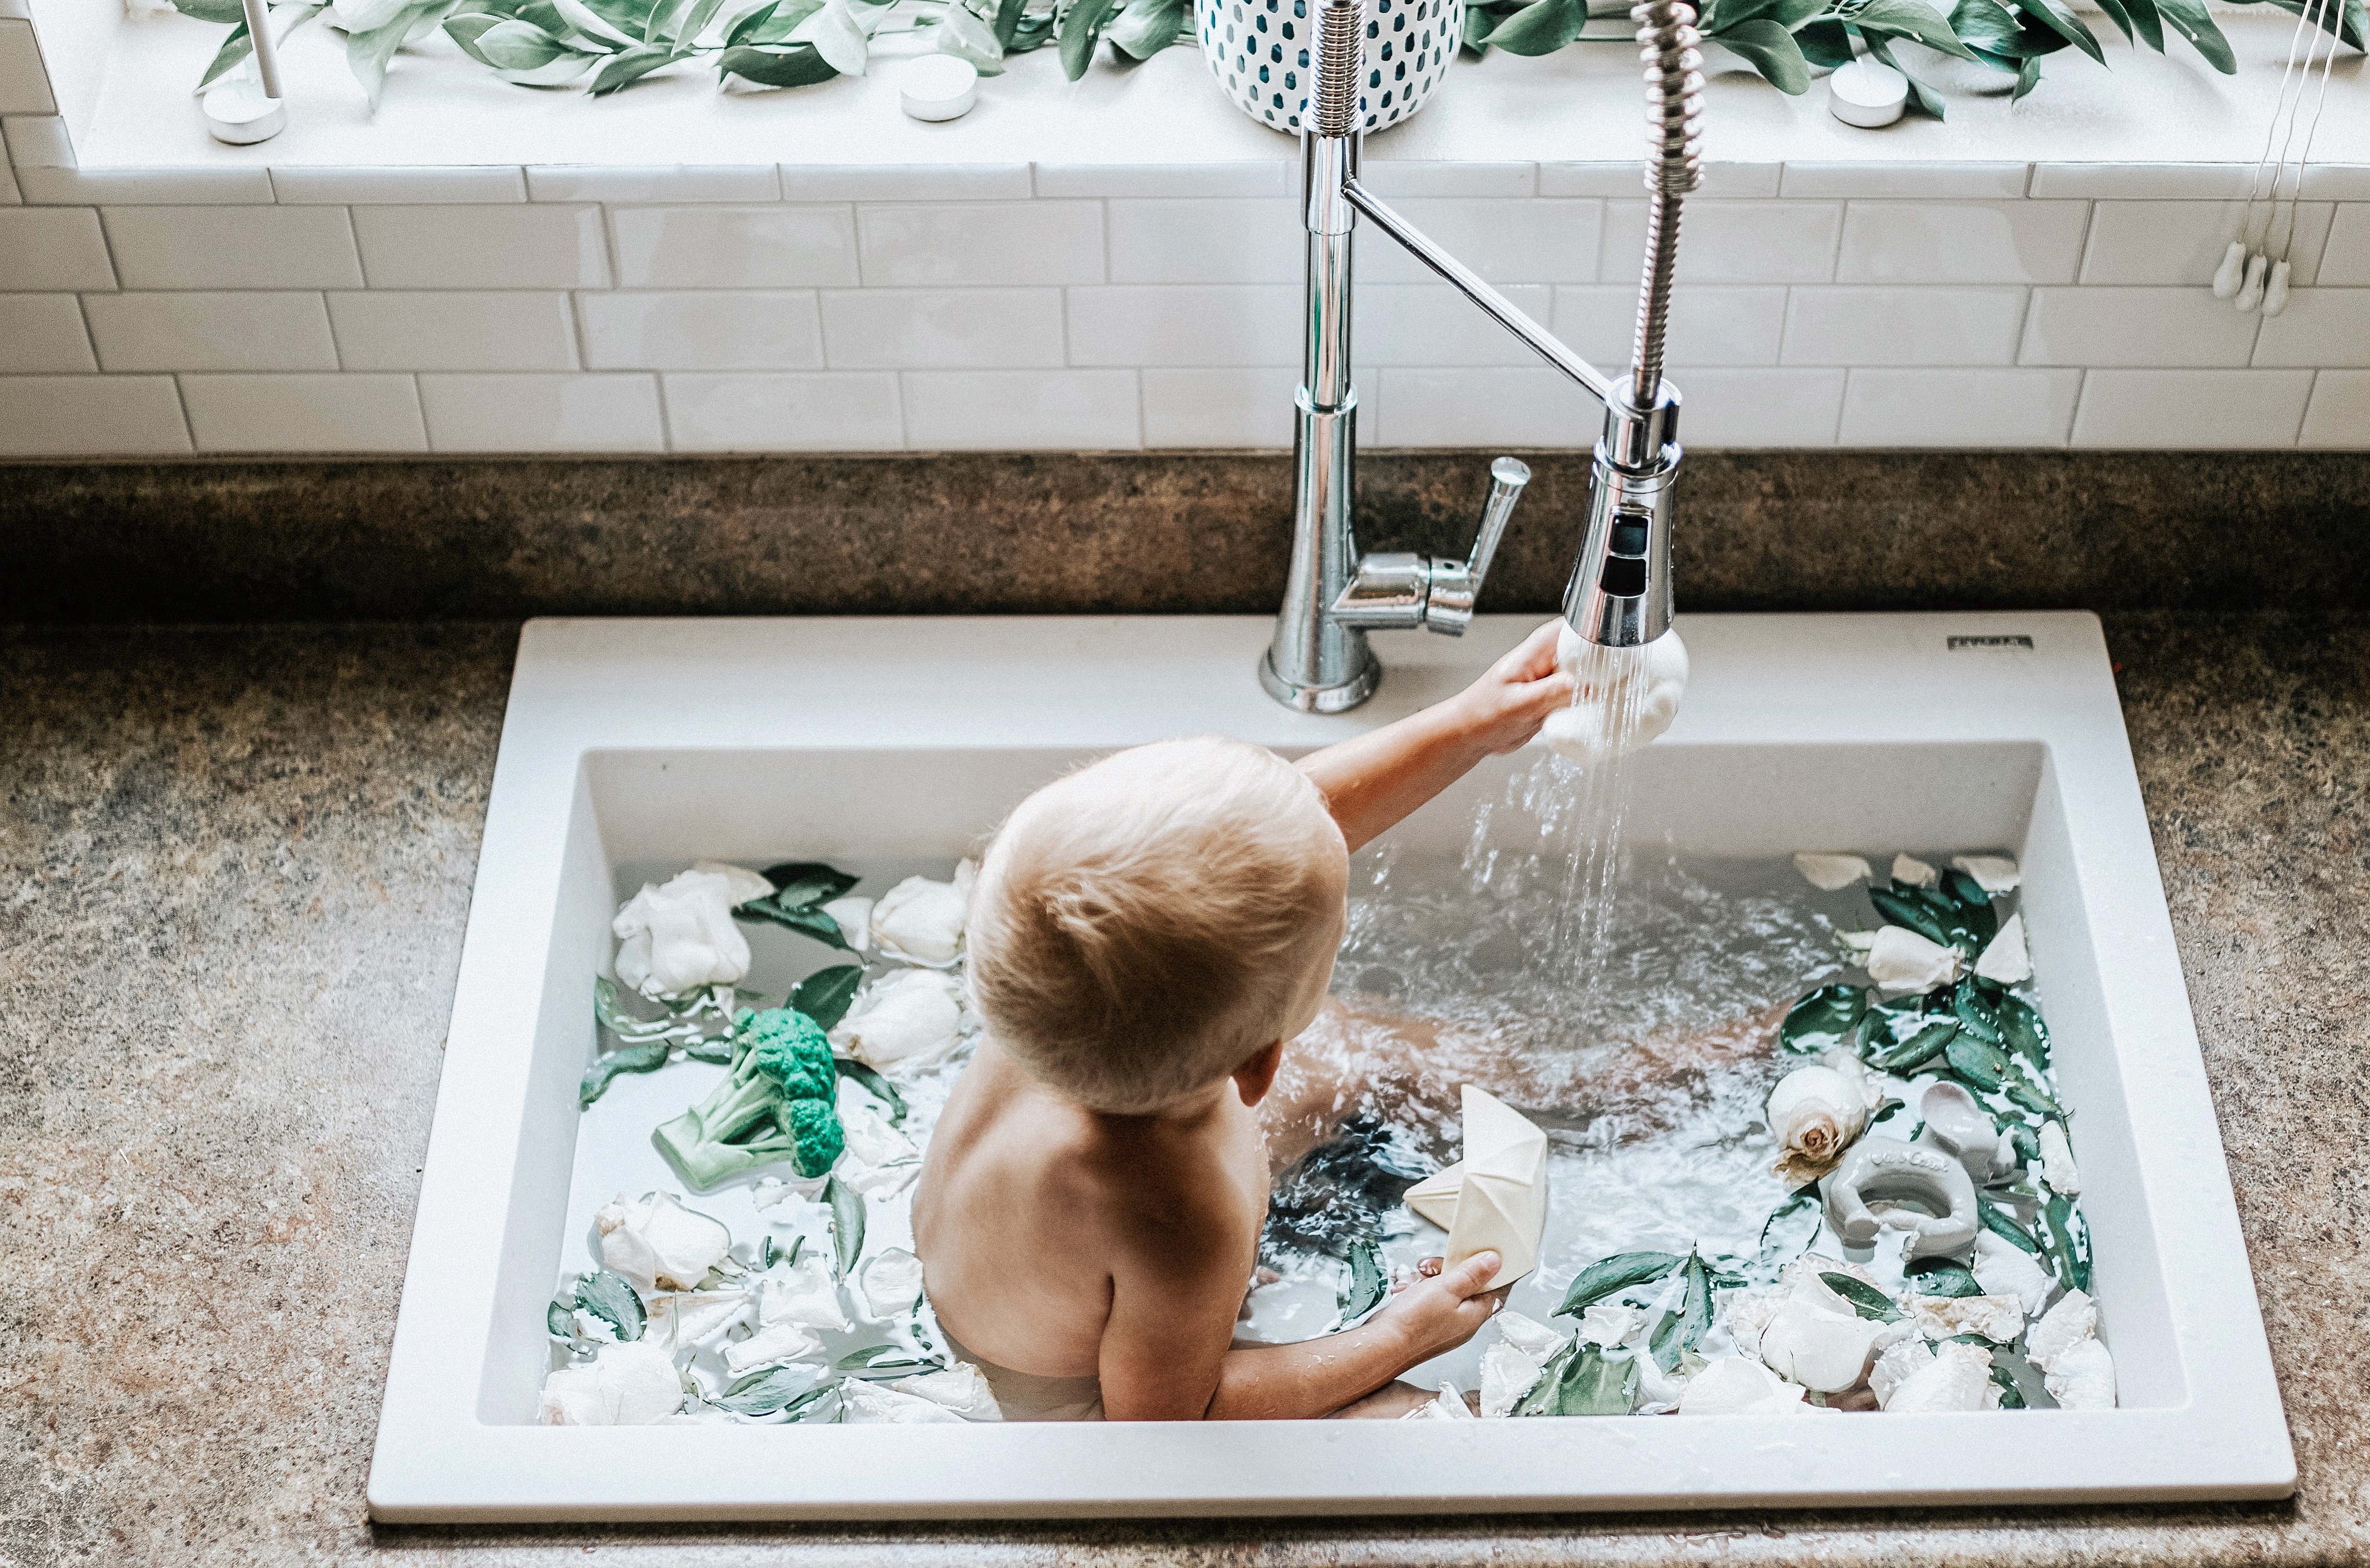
(1145, 925)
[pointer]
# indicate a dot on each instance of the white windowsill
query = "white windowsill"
(1581, 105)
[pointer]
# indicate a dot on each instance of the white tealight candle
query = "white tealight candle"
(238, 112)
(1866, 92)
(938, 86)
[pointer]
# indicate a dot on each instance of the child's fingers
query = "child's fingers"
(1536, 656)
(1473, 1275)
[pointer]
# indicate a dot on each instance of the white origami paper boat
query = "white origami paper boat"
(1495, 1199)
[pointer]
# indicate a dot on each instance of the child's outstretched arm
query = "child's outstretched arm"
(1373, 781)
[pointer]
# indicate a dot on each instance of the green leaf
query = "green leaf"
(1998, 1221)
(1805, 1201)
(1006, 26)
(1610, 1277)
(1981, 1066)
(846, 1205)
(1938, 1277)
(222, 12)
(2011, 1396)
(2065, 1243)
(1542, 1398)
(1541, 27)
(1821, 1020)
(1824, 42)
(2351, 24)
(963, 35)
(1895, 903)
(772, 1389)
(879, 1088)
(559, 1319)
(1908, 1056)
(2057, 18)
(2022, 1031)
(715, 1053)
(885, 1361)
(824, 996)
(1144, 28)
(2190, 19)
(1591, 1383)
(523, 46)
(1081, 24)
(612, 1299)
(1975, 1013)
(1915, 19)
(1865, 1298)
(625, 69)
(2030, 1096)
(235, 49)
(1035, 31)
(1986, 26)
(624, 1059)
(368, 54)
(806, 920)
(1769, 49)
(597, 28)
(798, 65)
(1366, 1286)
(2028, 77)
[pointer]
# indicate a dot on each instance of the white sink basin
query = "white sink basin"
(634, 742)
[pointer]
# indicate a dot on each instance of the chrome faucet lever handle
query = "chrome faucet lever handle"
(1456, 584)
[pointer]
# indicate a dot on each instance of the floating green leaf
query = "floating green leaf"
(1610, 1277)
(1366, 1286)
(798, 884)
(773, 1390)
(2065, 1243)
(1997, 1220)
(751, 63)
(2022, 1031)
(559, 1319)
(624, 1059)
(1542, 1398)
(2030, 1096)
(882, 1361)
(2011, 1396)
(1909, 1054)
(879, 1088)
(1975, 1012)
(1821, 1019)
(612, 1299)
(1979, 1065)
(1938, 1276)
(824, 996)
(846, 1205)
(1593, 1383)
(1865, 1298)
(1899, 908)
(716, 1052)
(1803, 1205)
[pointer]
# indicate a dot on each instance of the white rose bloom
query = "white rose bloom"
(1507, 1374)
(1628, 695)
(1995, 874)
(2057, 1167)
(2083, 1377)
(1733, 1386)
(2005, 957)
(964, 1391)
(912, 1015)
(658, 1243)
(867, 1403)
(853, 915)
(626, 1384)
(892, 1282)
(1958, 1378)
(1829, 873)
(1901, 960)
(2003, 1268)
(1997, 1318)
(680, 935)
(805, 1293)
(1914, 871)
(1815, 1114)
(683, 1320)
(1609, 1323)
(770, 1346)
(2067, 1324)
(740, 881)
(921, 921)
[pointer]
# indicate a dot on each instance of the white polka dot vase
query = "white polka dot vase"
(1259, 51)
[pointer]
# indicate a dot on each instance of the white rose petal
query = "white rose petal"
(1609, 1323)
(805, 1293)
(2003, 1268)
(683, 1320)
(771, 1192)
(1733, 1386)
(912, 1015)
(626, 1384)
(892, 1282)
(679, 936)
(1659, 1392)
(872, 1140)
(1830, 873)
(1749, 1312)
(1901, 1361)
(1914, 871)
(1995, 874)
(1819, 1349)
(1958, 1377)
(770, 1346)
(921, 921)
(1901, 960)
(853, 915)
(1628, 696)
(2057, 1167)
(964, 1391)
(1815, 1114)
(2067, 1324)
(1507, 1374)
(2005, 957)
(657, 1242)
(2083, 1377)
(864, 1403)
(1528, 1335)
(1997, 1318)
(740, 881)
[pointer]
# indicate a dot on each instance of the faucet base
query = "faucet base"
(1365, 674)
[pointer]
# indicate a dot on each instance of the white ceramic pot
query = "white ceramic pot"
(1259, 51)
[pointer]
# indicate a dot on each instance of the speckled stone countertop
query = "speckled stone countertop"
(234, 870)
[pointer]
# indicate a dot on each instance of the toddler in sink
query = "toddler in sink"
(1146, 936)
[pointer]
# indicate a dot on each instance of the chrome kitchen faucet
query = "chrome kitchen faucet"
(1620, 591)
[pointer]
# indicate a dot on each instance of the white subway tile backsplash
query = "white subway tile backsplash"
(2190, 409)
(1087, 410)
(452, 330)
(42, 334)
(1183, 324)
(1392, 178)
(653, 183)
(2182, 242)
(305, 413)
(1275, 177)
(895, 328)
(1863, 325)
(52, 247)
(24, 80)
(90, 416)
(146, 187)
(37, 141)
(1429, 324)
(1213, 240)
(1710, 324)
(9, 195)
(702, 329)
(2339, 416)
(2335, 182)
(248, 330)
(400, 187)
(233, 247)
(2348, 260)
(1747, 406)
(826, 411)
(542, 413)
(493, 246)
(2319, 327)
(1904, 181)
(905, 182)
(732, 248)
(1958, 408)
(2136, 327)
(1732, 242)
(1479, 407)
(1222, 408)
(2143, 182)
(1506, 242)
(1961, 242)
(1622, 180)
(980, 243)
